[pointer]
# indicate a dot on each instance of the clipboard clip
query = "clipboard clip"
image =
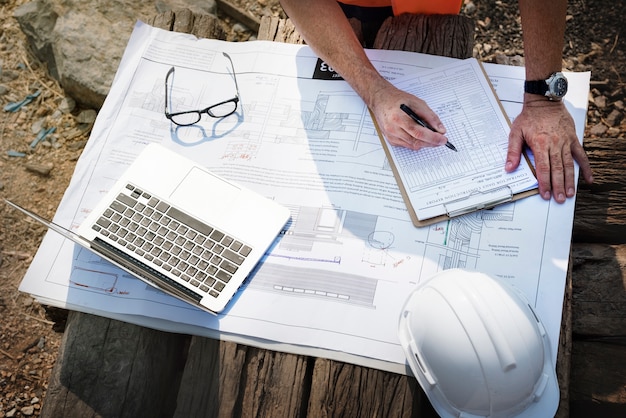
(479, 200)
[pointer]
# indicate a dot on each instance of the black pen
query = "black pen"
(420, 122)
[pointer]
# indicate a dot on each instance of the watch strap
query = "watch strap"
(536, 87)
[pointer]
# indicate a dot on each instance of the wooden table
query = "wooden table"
(108, 368)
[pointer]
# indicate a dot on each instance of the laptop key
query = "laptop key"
(127, 200)
(232, 256)
(103, 222)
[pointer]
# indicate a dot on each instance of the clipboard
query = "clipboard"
(472, 201)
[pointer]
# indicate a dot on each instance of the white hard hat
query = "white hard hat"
(477, 348)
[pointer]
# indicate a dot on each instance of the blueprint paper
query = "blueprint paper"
(334, 283)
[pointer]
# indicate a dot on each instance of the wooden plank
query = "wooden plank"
(447, 35)
(599, 302)
(279, 30)
(185, 21)
(237, 380)
(598, 387)
(345, 390)
(601, 207)
(108, 368)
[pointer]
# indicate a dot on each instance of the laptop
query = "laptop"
(180, 228)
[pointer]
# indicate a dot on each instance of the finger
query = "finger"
(557, 175)
(406, 140)
(425, 137)
(514, 152)
(542, 171)
(583, 162)
(569, 173)
(433, 120)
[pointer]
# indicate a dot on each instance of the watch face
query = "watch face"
(558, 87)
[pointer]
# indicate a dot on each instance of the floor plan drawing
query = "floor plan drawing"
(335, 279)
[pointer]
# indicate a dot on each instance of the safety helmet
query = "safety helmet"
(477, 348)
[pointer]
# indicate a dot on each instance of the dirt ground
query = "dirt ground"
(37, 175)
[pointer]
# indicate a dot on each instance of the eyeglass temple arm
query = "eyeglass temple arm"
(234, 74)
(167, 77)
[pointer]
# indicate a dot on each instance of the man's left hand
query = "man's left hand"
(548, 129)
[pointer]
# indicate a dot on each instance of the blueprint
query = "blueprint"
(334, 281)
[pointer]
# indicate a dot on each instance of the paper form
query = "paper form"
(334, 283)
(438, 181)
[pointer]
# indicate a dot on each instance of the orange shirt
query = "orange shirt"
(412, 6)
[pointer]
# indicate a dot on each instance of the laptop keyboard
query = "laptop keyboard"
(163, 236)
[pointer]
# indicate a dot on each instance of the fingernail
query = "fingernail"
(546, 195)
(570, 192)
(561, 197)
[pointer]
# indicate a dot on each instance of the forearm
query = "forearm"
(326, 30)
(543, 29)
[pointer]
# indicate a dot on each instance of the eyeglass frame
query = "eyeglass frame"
(207, 110)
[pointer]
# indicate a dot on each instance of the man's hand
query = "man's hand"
(549, 130)
(398, 127)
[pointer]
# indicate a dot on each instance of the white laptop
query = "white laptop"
(180, 228)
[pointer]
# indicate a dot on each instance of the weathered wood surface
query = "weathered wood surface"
(185, 21)
(109, 368)
(598, 367)
(601, 207)
(447, 35)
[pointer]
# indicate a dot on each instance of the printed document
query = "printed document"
(333, 284)
(438, 182)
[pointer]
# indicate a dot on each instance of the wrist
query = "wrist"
(530, 98)
(554, 87)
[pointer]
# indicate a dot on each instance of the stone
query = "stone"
(87, 116)
(82, 41)
(41, 169)
(614, 117)
(28, 410)
(67, 105)
(600, 101)
(598, 129)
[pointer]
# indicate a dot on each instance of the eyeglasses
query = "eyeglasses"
(191, 117)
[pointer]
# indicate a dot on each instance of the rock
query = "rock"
(82, 41)
(67, 105)
(42, 169)
(240, 28)
(598, 129)
(28, 410)
(87, 116)
(614, 117)
(600, 102)
(470, 7)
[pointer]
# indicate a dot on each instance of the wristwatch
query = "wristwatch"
(554, 87)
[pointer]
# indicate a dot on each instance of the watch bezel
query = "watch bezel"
(557, 86)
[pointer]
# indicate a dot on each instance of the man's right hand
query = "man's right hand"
(398, 127)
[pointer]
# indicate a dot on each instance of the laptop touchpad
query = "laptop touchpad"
(204, 195)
